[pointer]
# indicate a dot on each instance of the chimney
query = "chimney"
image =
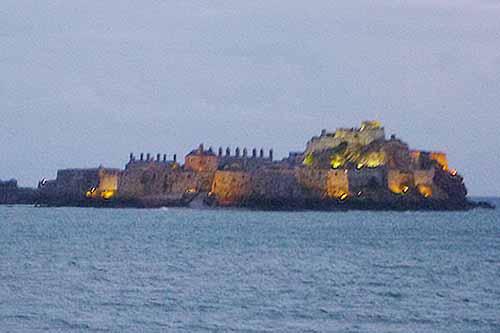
(148, 156)
(158, 157)
(175, 157)
(323, 132)
(220, 151)
(228, 151)
(261, 153)
(237, 151)
(245, 152)
(254, 153)
(142, 157)
(131, 157)
(271, 154)
(164, 157)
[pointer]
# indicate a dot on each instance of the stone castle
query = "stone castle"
(350, 168)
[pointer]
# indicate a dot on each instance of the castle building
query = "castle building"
(368, 132)
(348, 165)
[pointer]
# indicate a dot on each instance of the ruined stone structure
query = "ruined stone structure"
(350, 168)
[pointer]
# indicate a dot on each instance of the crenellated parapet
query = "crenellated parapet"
(147, 159)
(242, 160)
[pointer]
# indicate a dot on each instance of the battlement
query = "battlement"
(148, 159)
(243, 160)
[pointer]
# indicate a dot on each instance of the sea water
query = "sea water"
(182, 270)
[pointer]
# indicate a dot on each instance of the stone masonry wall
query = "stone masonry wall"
(231, 187)
(337, 184)
(397, 180)
(275, 184)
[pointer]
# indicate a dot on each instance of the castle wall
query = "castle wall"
(275, 184)
(337, 184)
(74, 183)
(423, 177)
(153, 179)
(188, 181)
(399, 181)
(397, 154)
(313, 180)
(108, 180)
(231, 187)
(440, 158)
(201, 163)
(369, 132)
(424, 182)
(139, 179)
(366, 178)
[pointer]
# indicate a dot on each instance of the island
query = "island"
(350, 168)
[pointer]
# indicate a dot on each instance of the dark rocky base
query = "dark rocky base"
(18, 196)
(329, 205)
(261, 204)
(110, 203)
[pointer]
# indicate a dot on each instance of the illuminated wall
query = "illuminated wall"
(372, 159)
(231, 187)
(108, 185)
(399, 182)
(153, 179)
(337, 184)
(370, 131)
(423, 177)
(440, 158)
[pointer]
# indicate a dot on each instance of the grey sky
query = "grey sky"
(85, 82)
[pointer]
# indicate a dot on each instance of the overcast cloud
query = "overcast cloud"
(84, 83)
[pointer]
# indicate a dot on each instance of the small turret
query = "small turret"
(261, 153)
(271, 154)
(220, 152)
(228, 151)
(175, 157)
(245, 152)
(158, 157)
(142, 157)
(148, 156)
(237, 151)
(131, 157)
(254, 153)
(164, 157)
